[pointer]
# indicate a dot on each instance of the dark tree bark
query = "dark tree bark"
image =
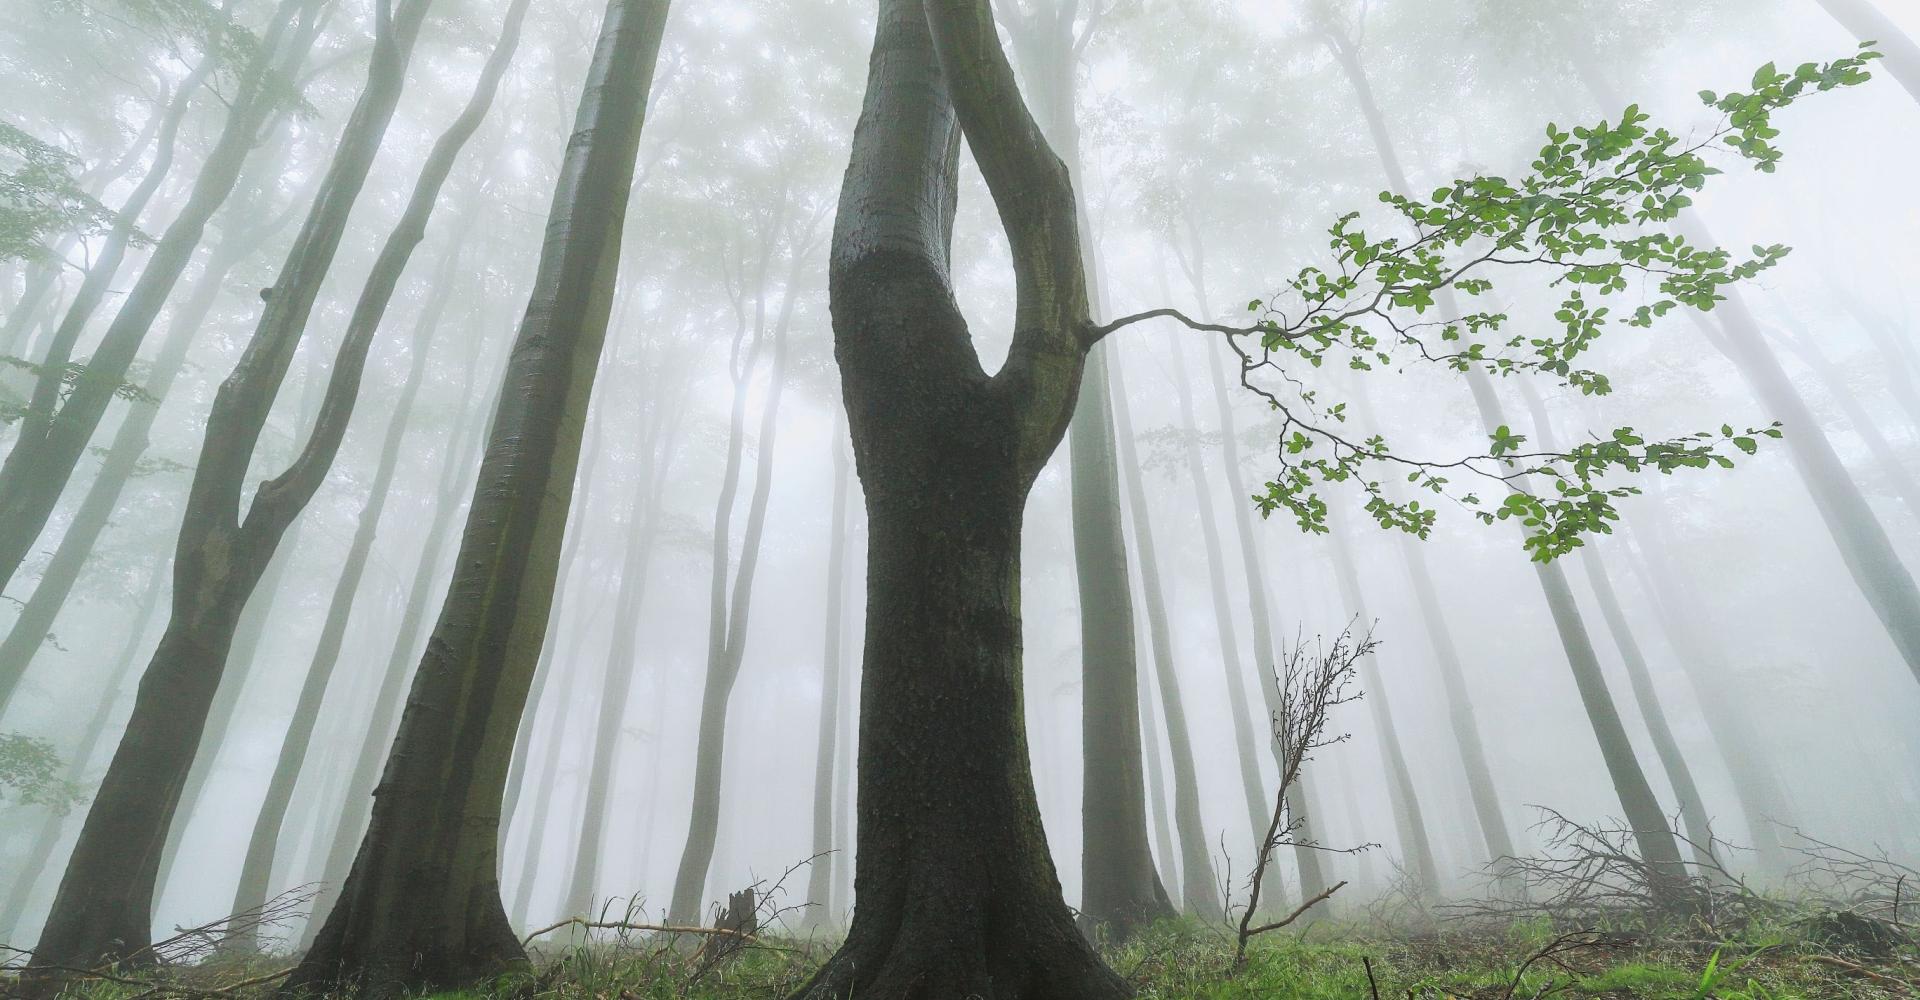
(104, 908)
(1198, 894)
(826, 847)
(43, 457)
(256, 871)
(92, 741)
(728, 612)
(957, 891)
(421, 907)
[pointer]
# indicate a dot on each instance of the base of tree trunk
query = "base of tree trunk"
(413, 951)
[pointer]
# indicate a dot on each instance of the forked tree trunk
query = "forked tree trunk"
(42, 460)
(1198, 894)
(421, 907)
(256, 870)
(105, 905)
(826, 848)
(957, 891)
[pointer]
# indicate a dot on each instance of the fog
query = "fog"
(1215, 142)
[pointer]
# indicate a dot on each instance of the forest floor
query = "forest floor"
(1520, 961)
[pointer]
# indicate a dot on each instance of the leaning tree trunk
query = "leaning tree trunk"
(44, 456)
(1652, 836)
(421, 907)
(105, 905)
(339, 841)
(820, 876)
(1891, 464)
(1693, 811)
(1866, 21)
(1198, 893)
(957, 891)
(256, 871)
(92, 739)
(63, 571)
(1402, 794)
(728, 614)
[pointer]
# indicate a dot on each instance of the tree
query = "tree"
(104, 907)
(820, 875)
(421, 906)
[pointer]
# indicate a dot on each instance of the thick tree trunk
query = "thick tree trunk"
(105, 904)
(92, 741)
(1198, 893)
(41, 462)
(1402, 794)
(957, 891)
(421, 907)
(821, 912)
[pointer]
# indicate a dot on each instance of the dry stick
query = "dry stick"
(1864, 971)
(1367, 964)
(625, 926)
(1297, 913)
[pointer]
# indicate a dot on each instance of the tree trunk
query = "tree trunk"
(421, 907)
(728, 615)
(92, 739)
(820, 875)
(957, 890)
(1868, 22)
(105, 905)
(1198, 893)
(1864, 424)
(1402, 794)
(42, 460)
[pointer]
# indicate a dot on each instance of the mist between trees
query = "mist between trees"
(471, 465)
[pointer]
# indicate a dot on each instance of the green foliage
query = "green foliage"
(40, 199)
(1599, 212)
(30, 774)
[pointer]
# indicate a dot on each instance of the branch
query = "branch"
(1298, 911)
(1096, 334)
(625, 926)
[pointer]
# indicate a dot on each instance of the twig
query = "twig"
(1864, 971)
(1367, 964)
(1298, 911)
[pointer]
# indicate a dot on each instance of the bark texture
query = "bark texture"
(421, 907)
(957, 891)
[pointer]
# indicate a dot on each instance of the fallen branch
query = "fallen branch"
(1858, 969)
(626, 926)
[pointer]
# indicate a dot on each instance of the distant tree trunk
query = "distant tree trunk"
(43, 457)
(1870, 557)
(658, 450)
(1198, 894)
(1166, 859)
(357, 801)
(1693, 811)
(1313, 878)
(1868, 22)
(256, 872)
(1402, 794)
(1652, 836)
(728, 614)
(820, 875)
(1259, 813)
(1891, 465)
(92, 740)
(957, 891)
(105, 904)
(421, 907)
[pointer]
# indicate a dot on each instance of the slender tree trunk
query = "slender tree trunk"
(44, 456)
(421, 907)
(1402, 794)
(1864, 424)
(1653, 838)
(727, 623)
(957, 890)
(105, 904)
(643, 525)
(1198, 894)
(820, 874)
(92, 740)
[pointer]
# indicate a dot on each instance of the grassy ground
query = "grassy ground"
(1790, 960)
